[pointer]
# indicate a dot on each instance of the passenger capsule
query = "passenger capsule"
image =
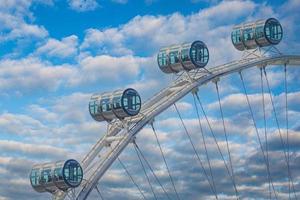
(118, 104)
(186, 56)
(50, 177)
(256, 34)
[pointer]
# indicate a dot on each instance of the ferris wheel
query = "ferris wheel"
(127, 115)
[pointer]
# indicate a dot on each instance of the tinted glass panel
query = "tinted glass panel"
(58, 174)
(174, 57)
(46, 176)
(185, 54)
(93, 107)
(105, 105)
(117, 102)
(131, 102)
(35, 177)
(248, 34)
(199, 54)
(73, 172)
(259, 32)
(162, 58)
(236, 36)
(273, 31)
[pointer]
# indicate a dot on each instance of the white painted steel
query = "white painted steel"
(127, 129)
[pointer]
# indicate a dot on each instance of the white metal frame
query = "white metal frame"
(120, 133)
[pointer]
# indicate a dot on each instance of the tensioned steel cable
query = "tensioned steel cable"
(101, 196)
(265, 129)
(218, 146)
(166, 164)
(142, 164)
(151, 169)
(281, 138)
(226, 137)
(122, 164)
(194, 148)
(257, 134)
(204, 143)
(287, 122)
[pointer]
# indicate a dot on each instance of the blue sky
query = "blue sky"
(55, 53)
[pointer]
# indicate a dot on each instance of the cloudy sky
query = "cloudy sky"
(55, 53)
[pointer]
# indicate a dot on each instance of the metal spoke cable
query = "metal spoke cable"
(281, 138)
(133, 181)
(218, 146)
(98, 191)
(287, 122)
(265, 129)
(196, 153)
(151, 169)
(226, 137)
(142, 164)
(166, 164)
(204, 143)
(257, 134)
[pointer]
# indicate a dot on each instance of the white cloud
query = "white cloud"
(107, 41)
(22, 125)
(42, 113)
(158, 31)
(16, 21)
(108, 69)
(67, 47)
(39, 150)
(29, 74)
(83, 5)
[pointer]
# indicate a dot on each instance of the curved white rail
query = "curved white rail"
(127, 129)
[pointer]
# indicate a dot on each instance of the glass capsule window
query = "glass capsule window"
(131, 101)
(199, 54)
(273, 31)
(93, 107)
(35, 177)
(248, 34)
(105, 105)
(162, 58)
(259, 32)
(73, 173)
(46, 176)
(117, 102)
(174, 57)
(185, 55)
(58, 174)
(236, 36)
